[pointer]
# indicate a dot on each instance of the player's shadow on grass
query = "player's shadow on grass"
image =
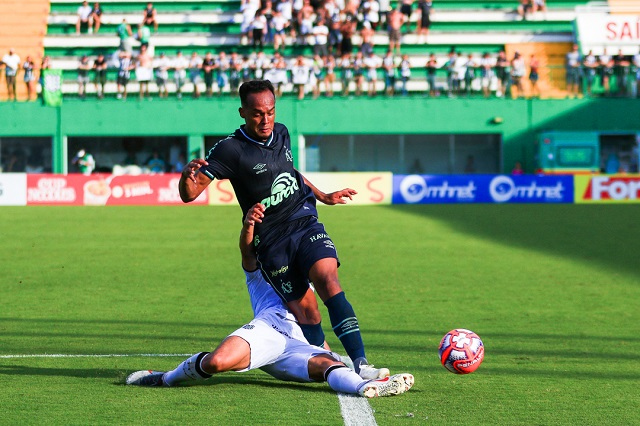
(608, 235)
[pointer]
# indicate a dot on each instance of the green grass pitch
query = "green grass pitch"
(553, 291)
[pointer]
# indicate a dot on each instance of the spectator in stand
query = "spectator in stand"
(11, 63)
(518, 70)
(329, 75)
(366, 34)
(45, 64)
(605, 61)
(100, 74)
(470, 166)
(258, 29)
(469, 73)
(144, 71)
(29, 77)
(503, 74)
(395, 21)
(517, 169)
(321, 34)
(358, 72)
(539, 6)
(590, 65)
(280, 78)
(247, 67)
(524, 8)
(124, 73)
(306, 18)
(84, 17)
(621, 71)
(179, 164)
(195, 68)
(143, 35)
(534, 66)
(208, 67)
(162, 66)
(260, 64)
(180, 65)
(149, 17)
(83, 76)
(156, 163)
(452, 80)
(404, 69)
(385, 8)
(268, 12)
(235, 73)
(222, 66)
(389, 66)
(424, 23)
(487, 73)
(406, 9)
(248, 10)
(572, 66)
(124, 33)
(431, 69)
(636, 64)
(371, 13)
(459, 71)
(372, 63)
(84, 161)
(285, 8)
(96, 17)
(317, 74)
(279, 25)
(300, 76)
(346, 69)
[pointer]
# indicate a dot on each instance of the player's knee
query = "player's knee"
(214, 363)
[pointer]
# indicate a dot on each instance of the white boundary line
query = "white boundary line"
(355, 409)
(92, 355)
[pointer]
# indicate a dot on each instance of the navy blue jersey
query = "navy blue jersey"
(262, 173)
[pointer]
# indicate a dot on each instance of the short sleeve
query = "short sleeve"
(223, 159)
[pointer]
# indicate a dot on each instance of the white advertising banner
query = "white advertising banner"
(597, 31)
(13, 189)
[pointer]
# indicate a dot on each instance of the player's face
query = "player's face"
(259, 115)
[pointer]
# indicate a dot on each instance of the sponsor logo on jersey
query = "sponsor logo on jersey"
(317, 237)
(282, 270)
(260, 168)
(329, 244)
(284, 333)
(282, 188)
(503, 188)
(289, 155)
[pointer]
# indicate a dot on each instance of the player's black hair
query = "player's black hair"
(254, 86)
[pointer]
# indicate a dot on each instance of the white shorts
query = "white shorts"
(144, 74)
(278, 347)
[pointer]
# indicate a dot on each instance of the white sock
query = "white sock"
(343, 379)
(188, 372)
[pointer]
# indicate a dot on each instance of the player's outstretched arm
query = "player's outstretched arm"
(193, 183)
(332, 198)
(254, 215)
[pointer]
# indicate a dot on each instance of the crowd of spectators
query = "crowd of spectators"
(337, 65)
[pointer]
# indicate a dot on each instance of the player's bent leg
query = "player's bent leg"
(307, 313)
(233, 354)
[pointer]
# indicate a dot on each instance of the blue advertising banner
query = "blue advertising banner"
(438, 189)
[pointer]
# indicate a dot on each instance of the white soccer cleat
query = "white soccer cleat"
(367, 372)
(146, 378)
(389, 386)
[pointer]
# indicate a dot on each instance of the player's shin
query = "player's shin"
(343, 379)
(345, 326)
(188, 372)
(313, 333)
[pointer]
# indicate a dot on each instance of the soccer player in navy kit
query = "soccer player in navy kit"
(292, 247)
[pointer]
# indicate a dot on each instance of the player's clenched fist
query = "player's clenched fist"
(255, 214)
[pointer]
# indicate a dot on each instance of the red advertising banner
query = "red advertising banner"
(101, 190)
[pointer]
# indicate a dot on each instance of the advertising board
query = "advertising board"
(13, 189)
(438, 189)
(607, 189)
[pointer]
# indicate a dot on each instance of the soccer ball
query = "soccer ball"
(461, 351)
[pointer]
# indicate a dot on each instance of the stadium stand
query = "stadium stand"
(469, 26)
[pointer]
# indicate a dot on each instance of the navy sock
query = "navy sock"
(313, 333)
(345, 325)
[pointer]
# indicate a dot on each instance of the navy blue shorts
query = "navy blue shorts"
(285, 261)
